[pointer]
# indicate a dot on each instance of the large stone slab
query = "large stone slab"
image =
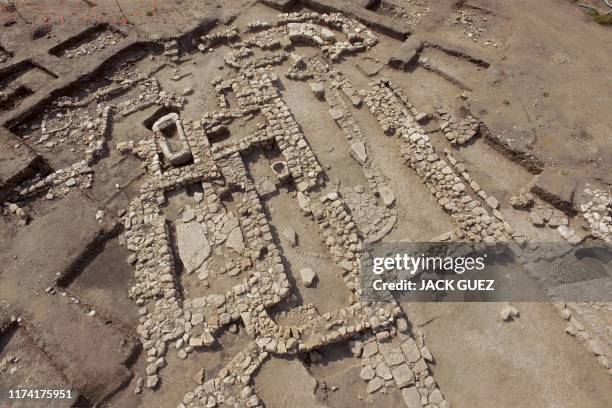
(407, 53)
(411, 397)
(235, 240)
(402, 375)
(287, 383)
(193, 246)
(358, 152)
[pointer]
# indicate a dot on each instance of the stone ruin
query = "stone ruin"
(208, 153)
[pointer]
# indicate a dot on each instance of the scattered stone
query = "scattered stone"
(402, 324)
(387, 196)
(291, 236)
(566, 232)
(523, 200)
(308, 276)
(152, 381)
(356, 347)
(318, 89)
(509, 313)
(328, 35)
(422, 118)
(207, 339)
(539, 216)
(411, 350)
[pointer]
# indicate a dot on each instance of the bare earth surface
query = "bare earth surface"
(187, 189)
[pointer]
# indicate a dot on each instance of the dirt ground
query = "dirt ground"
(97, 292)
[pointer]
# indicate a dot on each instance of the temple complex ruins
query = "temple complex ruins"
(189, 204)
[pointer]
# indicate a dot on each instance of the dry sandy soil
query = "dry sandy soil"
(146, 267)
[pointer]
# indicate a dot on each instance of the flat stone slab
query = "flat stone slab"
(374, 385)
(369, 349)
(369, 67)
(287, 383)
(411, 397)
(235, 240)
(336, 114)
(392, 353)
(367, 373)
(358, 152)
(402, 375)
(193, 246)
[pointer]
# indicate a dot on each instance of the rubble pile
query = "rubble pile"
(597, 212)
(103, 40)
(457, 132)
(221, 37)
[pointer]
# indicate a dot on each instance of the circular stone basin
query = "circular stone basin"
(280, 169)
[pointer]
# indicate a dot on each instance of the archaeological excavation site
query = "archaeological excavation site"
(195, 196)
